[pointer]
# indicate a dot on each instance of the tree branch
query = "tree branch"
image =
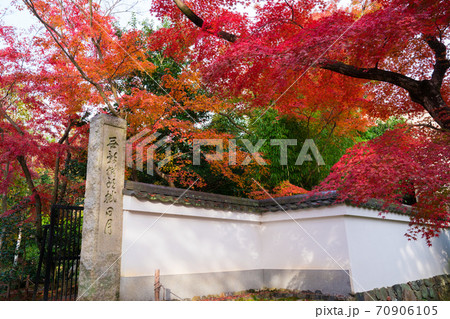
(164, 176)
(66, 132)
(397, 79)
(11, 121)
(65, 180)
(199, 21)
(52, 32)
(234, 123)
(426, 93)
(442, 63)
(189, 13)
(57, 163)
(38, 203)
(429, 126)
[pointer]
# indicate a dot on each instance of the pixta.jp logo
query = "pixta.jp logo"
(145, 144)
(148, 143)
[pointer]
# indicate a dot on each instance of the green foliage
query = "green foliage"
(273, 126)
(223, 124)
(380, 128)
(27, 255)
(164, 66)
(75, 168)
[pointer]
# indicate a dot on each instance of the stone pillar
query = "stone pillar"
(101, 247)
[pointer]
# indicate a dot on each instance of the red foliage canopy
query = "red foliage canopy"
(402, 162)
(399, 45)
(390, 55)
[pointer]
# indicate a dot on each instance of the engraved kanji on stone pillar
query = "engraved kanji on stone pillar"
(102, 221)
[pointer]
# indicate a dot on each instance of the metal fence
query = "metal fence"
(60, 253)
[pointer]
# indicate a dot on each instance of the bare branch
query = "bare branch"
(66, 133)
(55, 35)
(429, 126)
(400, 80)
(442, 63)
(11, 121)
(234, 122)
(199, 21)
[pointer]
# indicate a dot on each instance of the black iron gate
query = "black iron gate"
(60, 253)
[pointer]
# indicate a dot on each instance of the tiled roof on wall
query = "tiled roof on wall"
(180, 196)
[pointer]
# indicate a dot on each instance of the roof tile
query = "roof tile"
(185, 197)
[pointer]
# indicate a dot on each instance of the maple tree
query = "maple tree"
(170, 102)
(120, 72)
(43, 82)
(106, 58)
(185, 109)
(386, 58)
(413, 164)
(285, 188)
(41, 135)
(398, 45)
(31, 130)
(97, 55)
(83, 62)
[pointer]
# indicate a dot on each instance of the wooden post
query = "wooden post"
(157, 285)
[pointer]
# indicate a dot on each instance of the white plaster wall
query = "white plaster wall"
(184, 240)
(382, 256)
(187, 240)
(305, 239)
(190, 240)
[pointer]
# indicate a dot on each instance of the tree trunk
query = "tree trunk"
(2, 235)
(164, 176)
(63, 139)
(4, 207)
(62, 195)
(38, 203)
(23, 163)
(56, 180)
(431, 99)
(16, 252)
